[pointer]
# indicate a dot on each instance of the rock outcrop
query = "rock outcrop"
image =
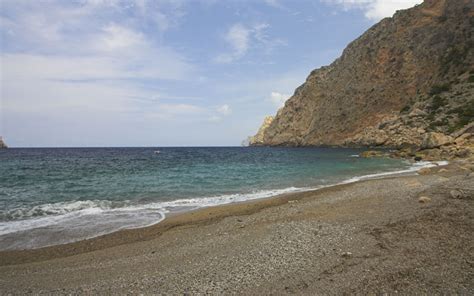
(2, 144)
(435, 140)
(407, 82)
(258, 139)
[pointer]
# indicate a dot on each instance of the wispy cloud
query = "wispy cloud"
(224, 110)
(70, 40)
(241, 38)
(375, 9)
(238, 38)
(33, 91)
(73, 61)
(99, 69)
(90, 75)
(274, 3)
(278, 99)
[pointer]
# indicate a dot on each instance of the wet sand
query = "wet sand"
(367, 237)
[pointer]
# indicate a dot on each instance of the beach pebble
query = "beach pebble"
(456, 194)
(442, 170)
(424, 199)
(346, 254)
(424, 171)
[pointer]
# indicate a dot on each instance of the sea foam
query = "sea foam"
(64, 222)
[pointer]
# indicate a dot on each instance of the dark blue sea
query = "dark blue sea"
(57, 195)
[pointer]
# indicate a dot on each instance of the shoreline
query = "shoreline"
(197, 216)
(192, 218)
(408, 234)
(10, 238)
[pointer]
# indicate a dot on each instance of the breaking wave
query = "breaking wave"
(64, 222)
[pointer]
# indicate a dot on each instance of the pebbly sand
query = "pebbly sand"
(372, 236)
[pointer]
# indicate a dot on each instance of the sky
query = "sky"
(103, 73)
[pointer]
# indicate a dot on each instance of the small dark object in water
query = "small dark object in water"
(418, 158)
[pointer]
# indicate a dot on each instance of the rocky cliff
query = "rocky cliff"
(257, 140)
(408, 79)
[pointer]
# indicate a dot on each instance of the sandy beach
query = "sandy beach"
(372, 236)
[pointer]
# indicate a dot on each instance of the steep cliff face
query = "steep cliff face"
(406, 76)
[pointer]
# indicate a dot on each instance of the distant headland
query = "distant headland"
(2, 143)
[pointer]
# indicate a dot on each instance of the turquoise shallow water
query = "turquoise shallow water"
(57, 195)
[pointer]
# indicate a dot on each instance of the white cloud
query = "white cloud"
(49, 95)
(214, 119)
(224, 110)
(238, 37)
(117, 37)
(41, 53)
(105, 33)
(164, 14)
(241, 38)
(274, 3)
(278, 99)
(165, 64)
(89, 65)
(376, 9)
(259, 32)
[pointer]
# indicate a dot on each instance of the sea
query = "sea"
(52, 196)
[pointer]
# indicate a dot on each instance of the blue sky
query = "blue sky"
(163, 72)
